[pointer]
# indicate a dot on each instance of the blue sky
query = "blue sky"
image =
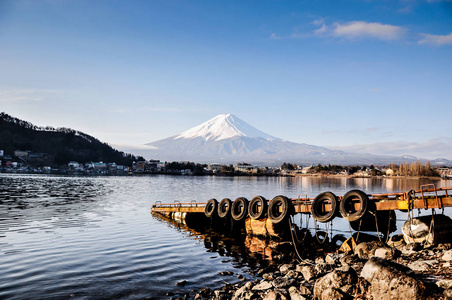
(373, 76)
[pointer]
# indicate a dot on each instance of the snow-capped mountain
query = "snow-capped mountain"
(226, 138)
(222, 127)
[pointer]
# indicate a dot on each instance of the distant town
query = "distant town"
(28, 162)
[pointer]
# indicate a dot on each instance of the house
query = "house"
(21, 153)
(445, 172)
(246, 168)
(215, 167)
(73, 165)
(389, 172)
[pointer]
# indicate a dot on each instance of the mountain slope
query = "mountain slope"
(61, 144)
(227, 138)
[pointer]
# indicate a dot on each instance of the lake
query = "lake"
(95, 238)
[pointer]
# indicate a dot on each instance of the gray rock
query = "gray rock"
(347, 259)
(334, 259)
(283, 282)
(332, 294)
(367, 250)
(304, 290)
(322, 268)
(292, 274)
(385, 252)
(295, 294)
(419, 230)
(240, 293)
(444, 246)
(418, 266)
(444, 284)
(319, 260)
(340, 283)
(411, 248)
(447, 294)
(390, 280)
(447, 256)
(272, 295)
(249, 285)
(284, 269)
(309, 272)
(396, 241)
(263, 285)
(182, 283)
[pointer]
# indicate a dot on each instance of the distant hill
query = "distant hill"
(226, 138)
(58, 146)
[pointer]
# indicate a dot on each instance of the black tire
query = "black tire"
(317, 207)
(347, 207)
(257, 208)
(239, 209)
(278, 209)
(224, 208)
(211, 207)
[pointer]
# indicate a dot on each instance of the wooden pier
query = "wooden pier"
(351, 206)
(261, 216)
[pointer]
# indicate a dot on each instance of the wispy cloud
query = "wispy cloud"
(431, 149)
(361, 29)
(25, 95)
(436, 40)
(349, 30)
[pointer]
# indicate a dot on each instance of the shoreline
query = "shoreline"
(406, 269)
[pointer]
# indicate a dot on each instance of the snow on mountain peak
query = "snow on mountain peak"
(223, 126)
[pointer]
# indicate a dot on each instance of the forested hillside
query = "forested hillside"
(60, 145)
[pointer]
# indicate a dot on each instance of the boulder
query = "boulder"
(447, 256)
(390, 280)
(309, 272)
(385, 252)
(418, 266)
(445, 284)
(339, 284)
(284, 269)
(334, 259)
(283, 282)
(295, 294)
(447, 294)
(367, 249)
(434, 230)
(263, 285)
(396, 241)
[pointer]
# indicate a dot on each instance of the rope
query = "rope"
(293, 241)
(305, 233)
(326, 234)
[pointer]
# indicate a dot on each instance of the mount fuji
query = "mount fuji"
(228, 139)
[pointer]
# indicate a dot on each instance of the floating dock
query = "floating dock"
(355, 206)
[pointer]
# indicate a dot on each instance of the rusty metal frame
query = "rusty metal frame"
(406, 201)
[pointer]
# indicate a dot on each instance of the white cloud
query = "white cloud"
(436, 40)
(431, 149)
(29, 95)
(361, 29)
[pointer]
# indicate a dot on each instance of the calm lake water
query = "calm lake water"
(95, 238)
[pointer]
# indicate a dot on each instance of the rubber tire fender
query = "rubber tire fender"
(211, 207)
(318, 201)
(273, 209)
(224, 208)
(235, 209)
(254, 204)
(346, 202)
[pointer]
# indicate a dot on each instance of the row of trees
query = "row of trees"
(414, 169)
(404, 169)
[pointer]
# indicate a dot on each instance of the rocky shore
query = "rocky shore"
(374, 270)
